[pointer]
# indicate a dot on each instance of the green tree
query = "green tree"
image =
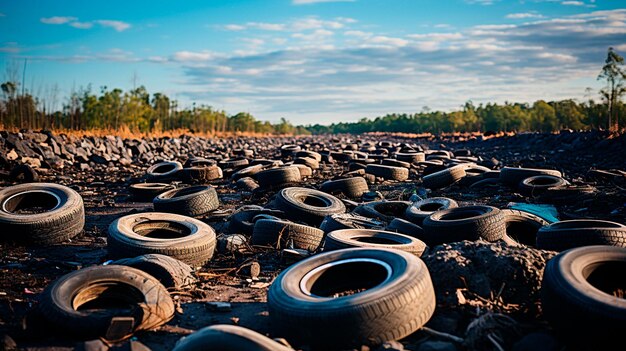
(614, 75)
(543, 117)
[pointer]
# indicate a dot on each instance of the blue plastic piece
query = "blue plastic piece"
(547, 212)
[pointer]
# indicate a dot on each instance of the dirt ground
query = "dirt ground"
(26, 271)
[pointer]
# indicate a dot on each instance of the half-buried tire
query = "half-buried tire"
(379, 239)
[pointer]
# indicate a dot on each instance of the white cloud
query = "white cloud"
(57, 19)
(481, 2)
(234, 27)
(437, 36)
(523, 15)
(186, 56)
(81, 25)
(573, 3)
(2, 14)
(307, 2)
(117, 25)
(266, 26)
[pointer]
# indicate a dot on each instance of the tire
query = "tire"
(513, 176)
(246, 184)
(151, 305)
(405, 227)
(567, 195)
(373, 238)
(444, 178)
(289, 150)
(305, 171)
(280, 234)
(383, 210)
(198, 162)
(537, 184)
(581, 295)
(249, 171)
(349, 221)
(201, 175)
(277, 177)
(234, 163)
(148, 191)
(410, 157)
(183, 238)
(398, 304)
(164, 171)
(241, 221)
(395, 163)
(522, 227)
(169, 271)
(192, 201)
(62, 219)
(307, 161)
(388, 172)
(227, 337)
(23, 174)
(563, 235)
(464, 223)
(310, 154)
(421, 209)
(353, 187)
(307, 205)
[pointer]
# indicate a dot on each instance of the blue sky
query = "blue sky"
(314, 61)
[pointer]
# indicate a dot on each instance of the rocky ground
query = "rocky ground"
(478, 285)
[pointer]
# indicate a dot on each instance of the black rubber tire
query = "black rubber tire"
(246, 184)
(410, 157)
(227, 337)
(148, 191)
(444, 178)
(567, 195)
(241, 221)
(249, 171)
(373, 238)
(280, 234)
(395, 163)
(513, 176)
(421, 209)
(23, 174)
(198, 162)
(151, 305)
(305, 171)
(575, 300)
(563, 235)
(64, 220)
(383, 210)
(164, 171)
(289, 150)
(234, 163)
(293, 201)
(310, 154)
(307, 161)
(169, 271)
(353, 187)
(201, 175)
(388, 172)
(194, 243)
(464, 223)
(535, 185)
(276, 177)
(192, 201)
(522, 227)
(349, 221)
(390, 310)
(405, 227)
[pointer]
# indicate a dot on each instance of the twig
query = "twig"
(442, 335)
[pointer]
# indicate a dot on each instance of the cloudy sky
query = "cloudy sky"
(316, 61)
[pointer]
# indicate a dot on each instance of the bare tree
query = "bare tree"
(614, 75)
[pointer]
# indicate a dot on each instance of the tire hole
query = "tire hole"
(340, 279)
(376, 240)
(431, 207)
(161, 230)
(31, 202)
(608, 277)
(107, 296)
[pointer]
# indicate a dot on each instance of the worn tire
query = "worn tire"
(152, 306)
(421, 209)
(163, 171)
(353, 187)
(227, 337)
(63, 219)
(513, 176)
(464, 223)
(148, 191)
(522, 227)
(294, 201)
(276, 177)
(280, 233)
(582, 296)
(23, 174)
(535, 185)
(444, 178)
(410, 157)
(393, 305)
(349, 221)
(241, 221)
(373, 238)
(169, 271)
(383, 210)
(563, 235)
(405, 227)
(186, 239)
(201, 175)
(192, 201)
(388, 172)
